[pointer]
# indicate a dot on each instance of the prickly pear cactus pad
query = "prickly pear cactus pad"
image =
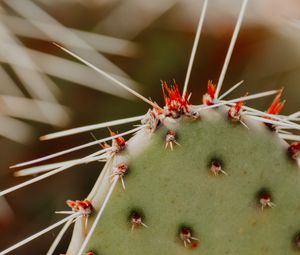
(226, 212)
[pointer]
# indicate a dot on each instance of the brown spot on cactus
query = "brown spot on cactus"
(294, 150)
(136, 220)
(185, 235)
(296, 241)
(171, 139)
(194, 244)
(216, 167)
(265, 200)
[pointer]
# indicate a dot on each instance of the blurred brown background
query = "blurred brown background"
(266, 56)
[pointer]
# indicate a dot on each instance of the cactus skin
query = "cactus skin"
(174, 189)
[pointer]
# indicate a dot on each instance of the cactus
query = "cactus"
(201, 183)
(234, 189)
(215, 178)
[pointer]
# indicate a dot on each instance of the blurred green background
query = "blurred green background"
(266, 56)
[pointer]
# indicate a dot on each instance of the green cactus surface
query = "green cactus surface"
(186, 206)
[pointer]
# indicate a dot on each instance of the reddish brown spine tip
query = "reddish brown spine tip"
(234, 113)
(83, 206)
(208, 98)
(175, 104)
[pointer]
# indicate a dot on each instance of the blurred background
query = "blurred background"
(140, 42)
